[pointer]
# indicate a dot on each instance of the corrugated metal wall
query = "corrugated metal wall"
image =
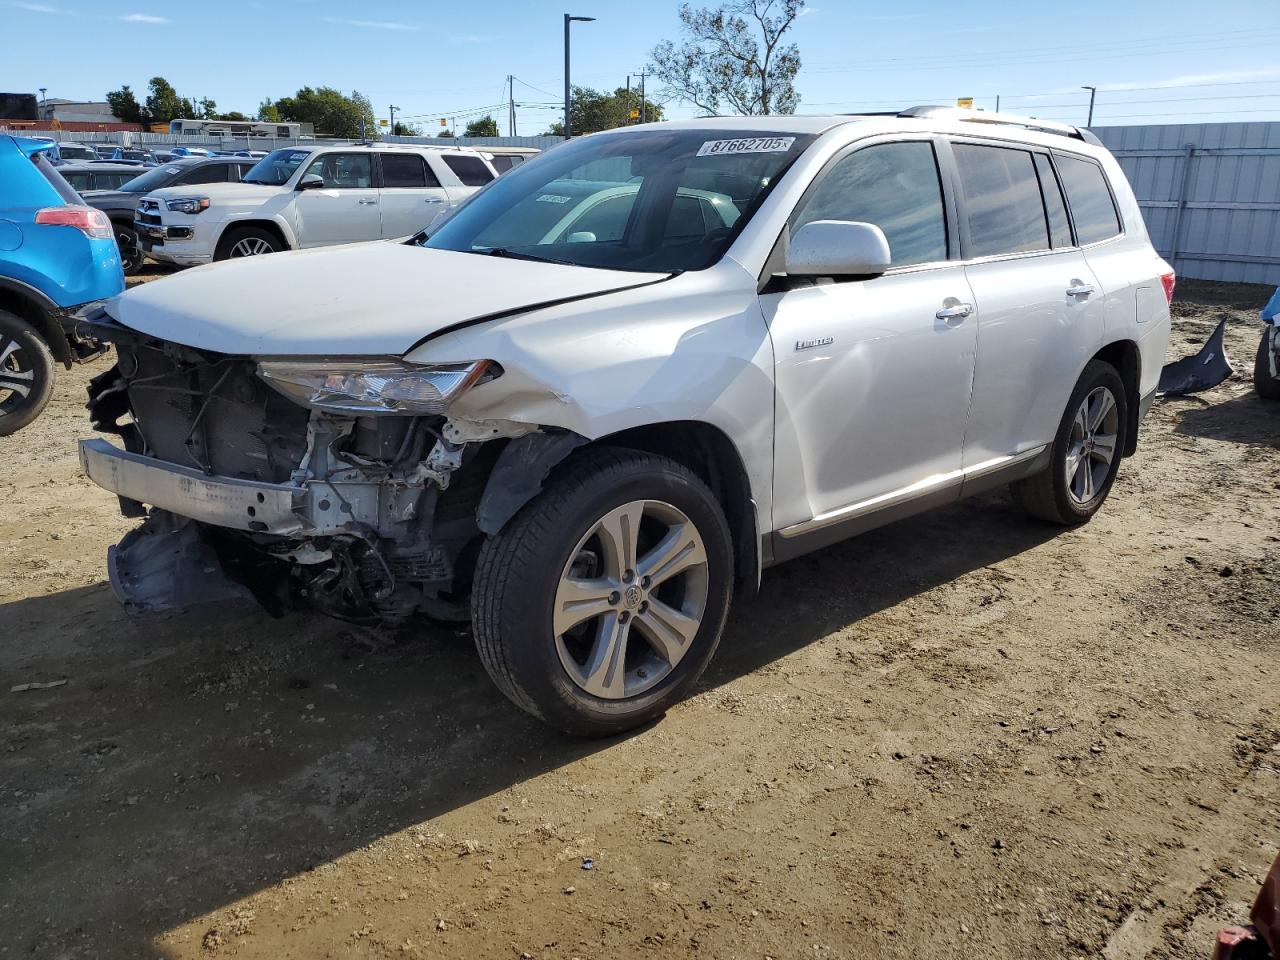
(1210, 193)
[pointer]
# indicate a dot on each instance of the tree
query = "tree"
(164, 104)
(330, 111)
(406, 130)
(233, 115)
(484, 127)
(595, 110)
(732, 55)
(126, 106)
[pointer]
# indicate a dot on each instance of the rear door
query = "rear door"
(469, 170)
(410, 196)
(1039, 318)
(345, 208)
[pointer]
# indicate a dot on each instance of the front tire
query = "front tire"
(1267, 386)
(26, 373)
(131, 256)
(1086, 451)
(601, 603)
(247, 242)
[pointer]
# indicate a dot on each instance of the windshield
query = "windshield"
(276, 167)
(657, 200)
(153, 179)
(76, 153)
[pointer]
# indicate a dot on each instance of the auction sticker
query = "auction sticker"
(715, 148)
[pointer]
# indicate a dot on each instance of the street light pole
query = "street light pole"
(568, 131)
(1093, 92)
(392, 132)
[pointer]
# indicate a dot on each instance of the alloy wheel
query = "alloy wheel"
(17, 375)
(251, 247)
(1091, 447)
(631, 599)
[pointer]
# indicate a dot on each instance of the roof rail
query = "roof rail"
(1006, 119)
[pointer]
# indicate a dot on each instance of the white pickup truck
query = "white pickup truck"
(301, 197)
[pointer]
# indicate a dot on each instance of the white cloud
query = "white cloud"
(143, 18)
(1198, 79)
(35, 7)
(373, 24)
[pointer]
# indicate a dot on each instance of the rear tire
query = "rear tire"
(1086, 451)
(600, 604)
(26, 373)
(247, 242)
(1268, 387)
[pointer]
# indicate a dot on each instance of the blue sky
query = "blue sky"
(1166, 62)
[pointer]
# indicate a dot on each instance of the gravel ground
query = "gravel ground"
(964, 735)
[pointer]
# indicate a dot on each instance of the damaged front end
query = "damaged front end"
(341, 484)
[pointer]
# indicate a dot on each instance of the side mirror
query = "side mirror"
(312, 181)
(837, 248)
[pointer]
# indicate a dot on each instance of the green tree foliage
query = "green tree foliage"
(596, 110)
(330, 111)
(484, 127)
(164, 104)
(125, 105)
(732, 56)
(406, 130)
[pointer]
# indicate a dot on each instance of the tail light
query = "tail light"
(1168, 280)
(92, 223)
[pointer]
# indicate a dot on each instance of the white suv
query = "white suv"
(303, 197)
(631, 373)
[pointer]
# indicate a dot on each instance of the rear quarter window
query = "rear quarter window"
(1092, 208)
(470, 170)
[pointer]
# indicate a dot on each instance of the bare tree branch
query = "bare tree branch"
(731, 55)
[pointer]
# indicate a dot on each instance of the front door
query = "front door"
(345, 209)
(873, 376)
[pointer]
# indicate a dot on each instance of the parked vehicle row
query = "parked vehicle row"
(623, 378)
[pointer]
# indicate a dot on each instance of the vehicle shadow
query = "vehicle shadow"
(1246, 419)
(193, 759)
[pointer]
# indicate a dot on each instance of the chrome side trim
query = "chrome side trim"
(912, 491)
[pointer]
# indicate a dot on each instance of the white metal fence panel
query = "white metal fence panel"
(1210, 195)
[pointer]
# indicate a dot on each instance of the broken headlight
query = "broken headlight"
(375, 386)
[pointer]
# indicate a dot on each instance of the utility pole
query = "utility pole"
(568, 19)
(997, 103)
(1093, 92)
(511, 105)
(644, 108)
(393, 120)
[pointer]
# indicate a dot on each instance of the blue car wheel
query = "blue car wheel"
(26, 373)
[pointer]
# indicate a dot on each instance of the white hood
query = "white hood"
(239, 193)
(361, 299)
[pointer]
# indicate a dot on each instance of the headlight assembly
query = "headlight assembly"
(187, 204)
(373, 387)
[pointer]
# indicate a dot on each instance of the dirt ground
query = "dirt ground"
(965, 735)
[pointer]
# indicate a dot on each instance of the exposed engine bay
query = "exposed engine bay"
(368, 518)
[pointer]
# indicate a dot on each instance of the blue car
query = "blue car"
(58, 258)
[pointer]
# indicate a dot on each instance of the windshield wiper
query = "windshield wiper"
(512, 255)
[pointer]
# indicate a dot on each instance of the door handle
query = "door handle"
(956, 311)
(433, 200)
(366, 201)
(1078, 289)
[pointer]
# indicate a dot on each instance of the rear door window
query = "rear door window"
(893, 185)
(470, 170)
(406, 170)
(1002, 202)
(1055, 207)
(1092, 207)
